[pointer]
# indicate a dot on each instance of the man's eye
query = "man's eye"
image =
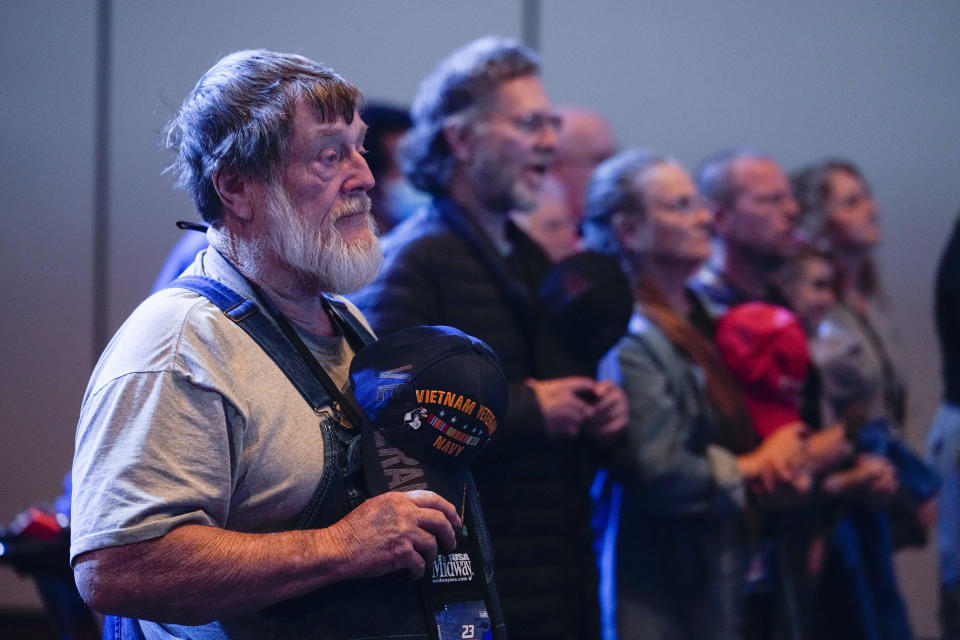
(329, 157)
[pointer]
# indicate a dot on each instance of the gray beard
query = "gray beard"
(321, 258)
(496, 196)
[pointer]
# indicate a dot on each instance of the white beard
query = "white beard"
(320, 257)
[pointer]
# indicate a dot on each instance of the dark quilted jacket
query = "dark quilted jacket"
(441, 269)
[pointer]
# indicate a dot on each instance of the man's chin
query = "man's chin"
(358, 227)
(347, 274)
(525, 199)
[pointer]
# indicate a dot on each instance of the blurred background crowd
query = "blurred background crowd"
(741, 209)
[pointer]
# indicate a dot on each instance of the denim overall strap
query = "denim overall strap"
(117, 628)
(247, 314)
(332, 614)
(249, 317)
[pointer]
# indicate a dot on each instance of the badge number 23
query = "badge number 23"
(468, 631)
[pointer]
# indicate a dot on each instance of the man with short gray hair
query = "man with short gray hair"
(212, 497)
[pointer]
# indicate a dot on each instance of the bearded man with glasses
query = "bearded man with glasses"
(483, 138)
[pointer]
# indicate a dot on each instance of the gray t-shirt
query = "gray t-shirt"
(851, 362)
(187, 420)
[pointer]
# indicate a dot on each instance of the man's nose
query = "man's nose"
(362, 178)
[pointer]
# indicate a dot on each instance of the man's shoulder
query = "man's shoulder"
(171, 330)
(712, 290)
(169, 314)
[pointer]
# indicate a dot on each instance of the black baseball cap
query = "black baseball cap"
(433, 397)
(587, 301)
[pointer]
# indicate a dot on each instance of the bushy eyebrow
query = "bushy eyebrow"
(326, 131)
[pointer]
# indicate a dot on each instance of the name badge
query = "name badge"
(463, 621)
(453, 593)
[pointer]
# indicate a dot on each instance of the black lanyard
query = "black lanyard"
(343, 406)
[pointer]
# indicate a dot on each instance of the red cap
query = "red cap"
(765, 349)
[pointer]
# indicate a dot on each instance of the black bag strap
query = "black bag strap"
(357, 334)
(477, 524)
(894, 396)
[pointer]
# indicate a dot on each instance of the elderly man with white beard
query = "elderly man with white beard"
(210, 499)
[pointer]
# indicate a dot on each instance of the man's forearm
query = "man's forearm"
(195, 574)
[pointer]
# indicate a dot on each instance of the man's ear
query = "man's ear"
(236, 192)
(458, 134)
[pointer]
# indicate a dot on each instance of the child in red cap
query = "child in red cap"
(765, 349)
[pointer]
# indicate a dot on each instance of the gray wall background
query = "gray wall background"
(876, 82)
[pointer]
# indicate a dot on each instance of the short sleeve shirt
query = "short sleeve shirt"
(187, 420)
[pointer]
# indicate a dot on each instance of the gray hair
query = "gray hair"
(465, 80)
(611, 189)
(713, 175)
(240, 117)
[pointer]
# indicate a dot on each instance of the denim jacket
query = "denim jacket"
(667, 539)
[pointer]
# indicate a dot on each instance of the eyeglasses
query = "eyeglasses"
(535, 122)
(683, 204)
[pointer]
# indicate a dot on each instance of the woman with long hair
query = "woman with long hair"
(839, 215)
(679, 478)
(854, 351)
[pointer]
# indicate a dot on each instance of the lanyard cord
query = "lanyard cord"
(341, 404)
